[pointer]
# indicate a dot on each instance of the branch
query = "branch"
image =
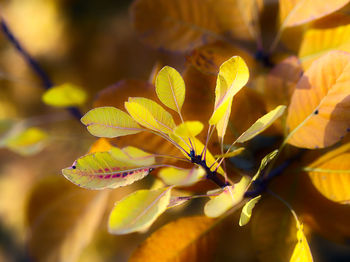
(34, 65)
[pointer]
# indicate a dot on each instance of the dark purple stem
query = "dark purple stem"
(45, 79)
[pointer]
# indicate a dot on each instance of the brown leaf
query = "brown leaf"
(62, 219)
(186, 239)
(181, 25)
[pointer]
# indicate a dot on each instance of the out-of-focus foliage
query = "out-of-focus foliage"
(295, 54)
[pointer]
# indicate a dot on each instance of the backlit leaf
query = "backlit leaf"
(231, 196)
(318, 115)
(330, 174)
(183, 28)
(170, 88)
(62, 219)
(181, 177)
(189, 129)
(150, 114)
(26, 142)
(109, 169)
(301, 251)
(297, 12)
(138, 211)
(323, 38)
(233, 75)
(109, 122)
(261, 124)
(233, 153)
(247, 210)
(264, 162)
(64, 96)
(190, 239)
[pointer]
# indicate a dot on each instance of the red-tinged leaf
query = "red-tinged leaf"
(318, 115)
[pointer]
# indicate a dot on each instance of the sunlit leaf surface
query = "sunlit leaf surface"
(261, 124)
(110, 169)
(330, 174)
(231, 196)
(247, 210)
(138, 211)
(181, 177)
(301, 251)
(189, 129)
(318, 115)
(64, 96)
(109, 122)
(170, 88)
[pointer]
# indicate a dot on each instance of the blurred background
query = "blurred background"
(91, 44)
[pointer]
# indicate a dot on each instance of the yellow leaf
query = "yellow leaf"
(320, 39)
(182, 28)
(133, 155)
(233, 153)
(181, 177)
(261, 124)
(62, 219)
(137, 211)
(108, 169)
(150, 114)
(109, 122)
(330, 174)
(230, 197)
(247, 210)
(297, 12)
(186, 239)
(188, 129)
(264, 162)
(318, 115)
(64, 96)
(26, 142)
(170, 88)
(301, 251)
(233, 75)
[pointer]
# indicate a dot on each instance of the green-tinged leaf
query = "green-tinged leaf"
(261, 124)
(230, 197)
(233, 153)
(170, 88)
(64, 96)
(233, 75)
(181, 177)
(137, 212)
(188, 129)
(264, 162)
(150, 114)
(301, 251)
(247, 210)
(330, 174)
(25, 142)
(109, 122)
(109, 169)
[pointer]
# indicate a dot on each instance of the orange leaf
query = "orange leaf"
(318, 115)
(330, 174)
(186, 239)
(297, 12)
